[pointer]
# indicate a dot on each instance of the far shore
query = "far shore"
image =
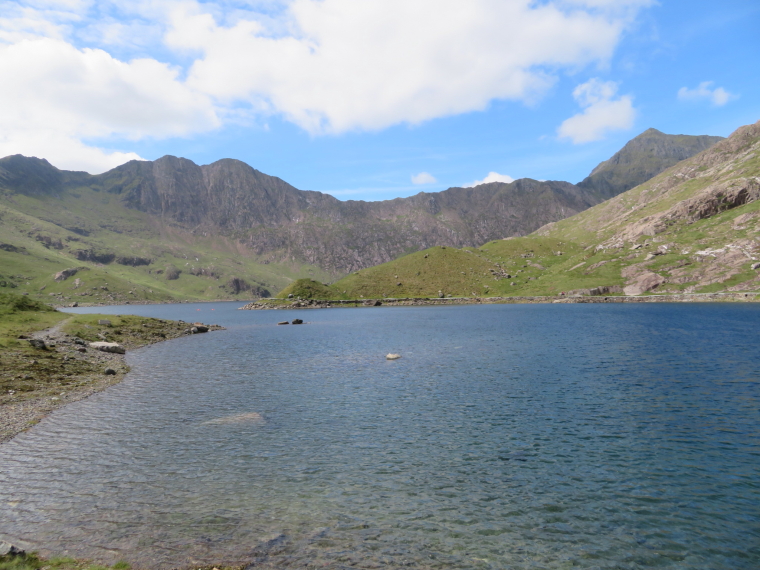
(722, 297)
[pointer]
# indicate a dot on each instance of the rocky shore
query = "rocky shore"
(268, 304)
(68, 365)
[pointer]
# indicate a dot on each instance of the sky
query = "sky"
(371, 99)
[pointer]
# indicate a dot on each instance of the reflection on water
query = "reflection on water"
(506, 437)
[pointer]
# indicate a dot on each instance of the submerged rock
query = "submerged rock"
(392, 356)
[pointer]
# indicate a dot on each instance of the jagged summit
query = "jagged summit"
(640, 159)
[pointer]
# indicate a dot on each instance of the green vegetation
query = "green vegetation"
(62, 367)
(307, 289)
(34, 562)
(123, 255)
(696, 225)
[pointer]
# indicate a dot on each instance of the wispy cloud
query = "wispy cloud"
(717, 96)
(602, 112)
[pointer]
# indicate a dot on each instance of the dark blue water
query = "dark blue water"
(523, 436)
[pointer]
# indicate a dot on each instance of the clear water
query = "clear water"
(527, 436)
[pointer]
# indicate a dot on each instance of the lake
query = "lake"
(507, 436)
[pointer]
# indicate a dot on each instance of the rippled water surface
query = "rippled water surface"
(524, 436)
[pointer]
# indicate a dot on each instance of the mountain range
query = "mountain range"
(170, 227)
(694, 228)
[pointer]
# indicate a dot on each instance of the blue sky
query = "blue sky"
(371, 99)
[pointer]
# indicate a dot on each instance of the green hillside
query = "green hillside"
(695, 228)
(124, 255)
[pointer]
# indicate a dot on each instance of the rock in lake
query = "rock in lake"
(108, 347)
(283, 323)
(199, 329)
(297, 322)
(392, 356)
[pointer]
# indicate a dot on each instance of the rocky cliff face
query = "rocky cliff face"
(642, 158)
(281, 223)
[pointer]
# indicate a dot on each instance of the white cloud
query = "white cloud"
(347, 65)
(717, 96)
(492, 177)
(602, 112)
(86, 70)
(58, 92)
(423, 178)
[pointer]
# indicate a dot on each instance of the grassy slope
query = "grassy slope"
(589, 256)
(115, 229)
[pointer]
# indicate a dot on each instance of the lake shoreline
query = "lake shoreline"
(723, 297)
(19, 415)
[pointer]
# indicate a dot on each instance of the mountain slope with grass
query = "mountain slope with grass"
(642, 158)
(695, 228)
(171, 230)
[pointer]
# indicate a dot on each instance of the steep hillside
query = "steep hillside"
(86, 247)
(279, 223)
(170, 229)
(642, 158)
(693, 228)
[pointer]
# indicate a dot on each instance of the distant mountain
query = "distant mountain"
(227, 229)
(642, 158)
(281, 223)
(694, 228)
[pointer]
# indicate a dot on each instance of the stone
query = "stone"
(74, 304)
(104, 322)
(283, 323)
(297, 322)
(8, 549)
(644, 283)
(109, 372)
(199, 329)
(392, 356)
(65, 274)
(112, 347)
(755, 266)
(81, 349)
(38, 343)
(290, 295)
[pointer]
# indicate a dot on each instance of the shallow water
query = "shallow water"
(508, 436)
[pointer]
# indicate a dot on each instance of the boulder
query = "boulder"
(65, 274)
(644, 283)
(392, 356)
(297, 322)
(38, 343)
(755, 266)
(8, 549)
(283, 323)
(199, 329)
(104, 322)
(112, 347)
(109, 372)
